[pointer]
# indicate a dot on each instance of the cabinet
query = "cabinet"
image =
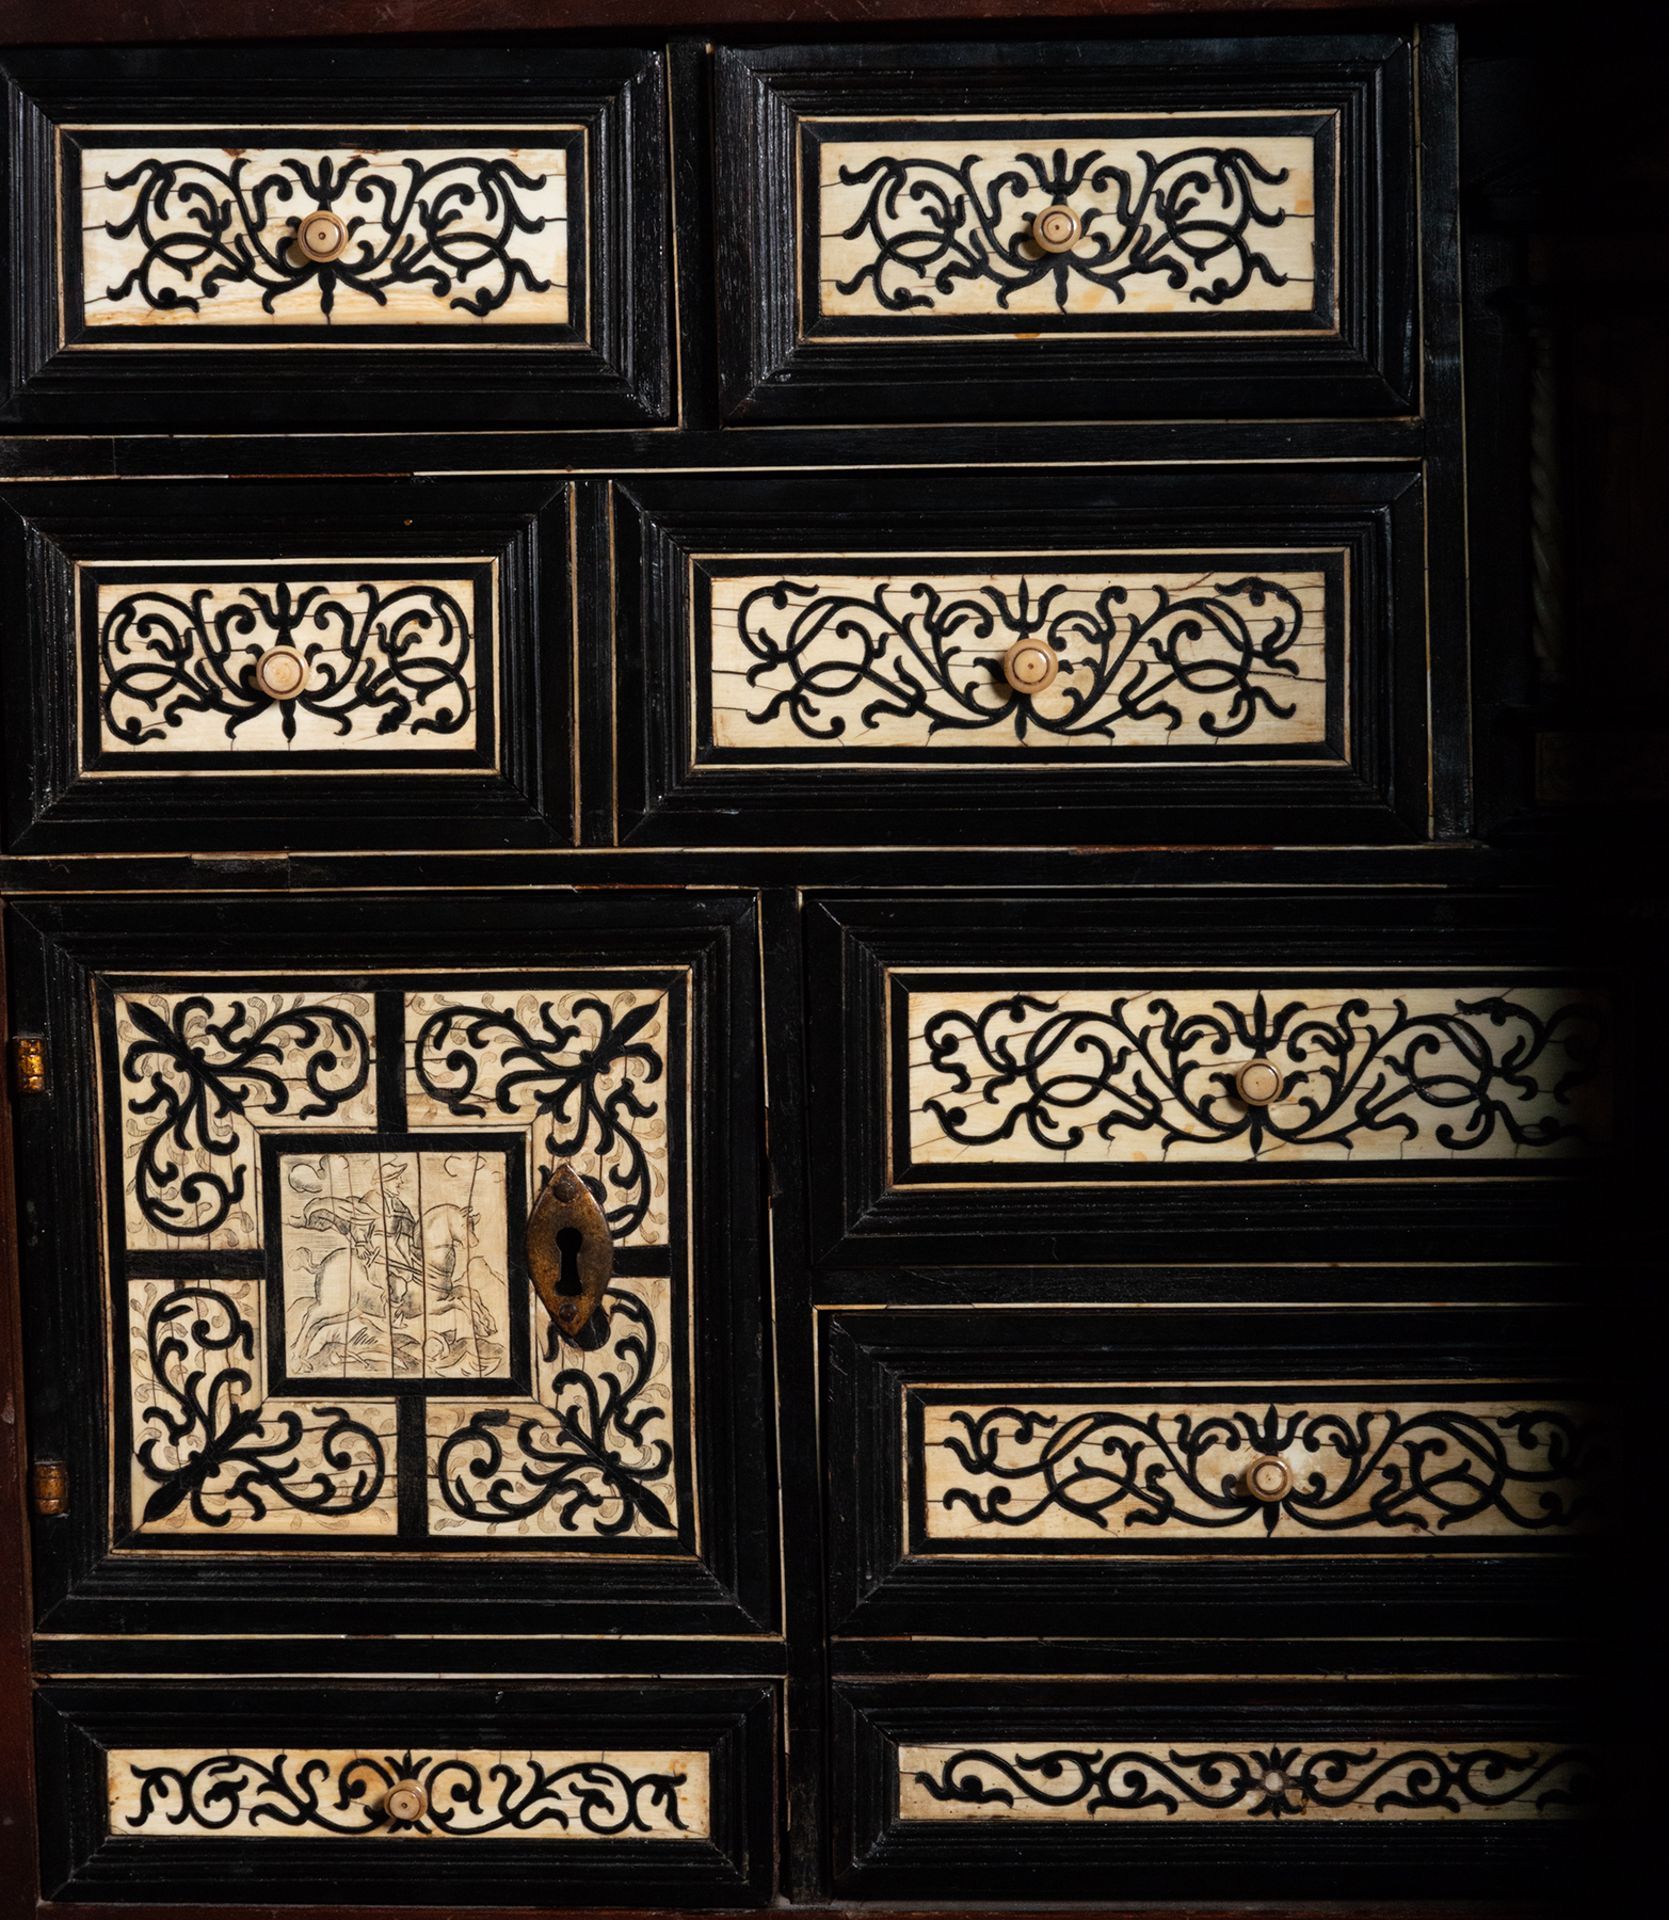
(783, 1128)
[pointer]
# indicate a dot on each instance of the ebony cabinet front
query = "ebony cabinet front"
(779, 1135)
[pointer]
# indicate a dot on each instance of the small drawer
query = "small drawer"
(292, 240)
(1290, 1471)
(1120, 1076)
(1174, 230)
(429, 1793)
(1186, 1789)
(288, 665)
(941, 658)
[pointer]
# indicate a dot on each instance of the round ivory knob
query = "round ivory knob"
(281, 673)
(1268, 1478)
(1030, 665)
(405, 1801)
(1056, 229)
(1257, 1083)
(320, 236)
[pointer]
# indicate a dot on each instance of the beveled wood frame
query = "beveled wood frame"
(879, 1856)
(884, 1584)
(859, 944)
(732, 1722)
(518, 791)
(717, 1578)
(617, 368)
(776, 368)
(1367, 782)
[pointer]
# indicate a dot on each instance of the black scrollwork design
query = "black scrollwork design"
(401, 655)
(1188, 218)
(908, 650)
(1353, 1072)
(343, 1794)
(451, 224)
(1353, 1468)
(591, 1452)
(1274, 1782)
(202, 1076)
(581, 1072)
(206, 1444)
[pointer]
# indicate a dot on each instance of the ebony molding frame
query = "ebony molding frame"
(53, 801)
(886, 1581)
(856, 945)
(617, 370)
(877, 1855)
(675, 791)
(775, 369)
(731, 1722)
(723, 1582)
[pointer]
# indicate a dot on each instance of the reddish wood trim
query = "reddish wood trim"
(1136, 1910)
(58, 22)
(17, 1742)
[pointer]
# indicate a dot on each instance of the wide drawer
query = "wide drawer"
(304, 240)
(314, 664)
(1144, 229)
(1285, 1471)
(321, 1184)
(1024, 657)
(434, 1794)
(1183, 1789)
(1157, 1073)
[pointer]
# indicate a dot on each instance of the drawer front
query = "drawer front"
(1192, 1789)
(433, 1794)
(1142, 230)
(333, 1363)
(945, 658)
(382, 238)
(290, 665)
(1089, 1076)
(1186, 1470)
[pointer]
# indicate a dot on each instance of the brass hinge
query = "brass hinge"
(28, 1063)
(49, 1487)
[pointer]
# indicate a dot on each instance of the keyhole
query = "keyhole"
(568, 1243)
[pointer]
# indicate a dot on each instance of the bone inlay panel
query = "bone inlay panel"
(327, 1294)
(1103, 1781)
(393, 660)
(580, 1069)
(812, 657)
(1132, 1074)
(1105, 1468)
(180, 237)
(1180, 219)
(303, 1793)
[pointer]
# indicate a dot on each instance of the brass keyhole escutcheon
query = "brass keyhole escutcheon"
(570, 1251)
(1030, 666)
(320, 236)
(1056, 229)
(405, 1802)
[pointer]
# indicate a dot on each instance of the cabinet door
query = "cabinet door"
(297, 1291)
(388, 238)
